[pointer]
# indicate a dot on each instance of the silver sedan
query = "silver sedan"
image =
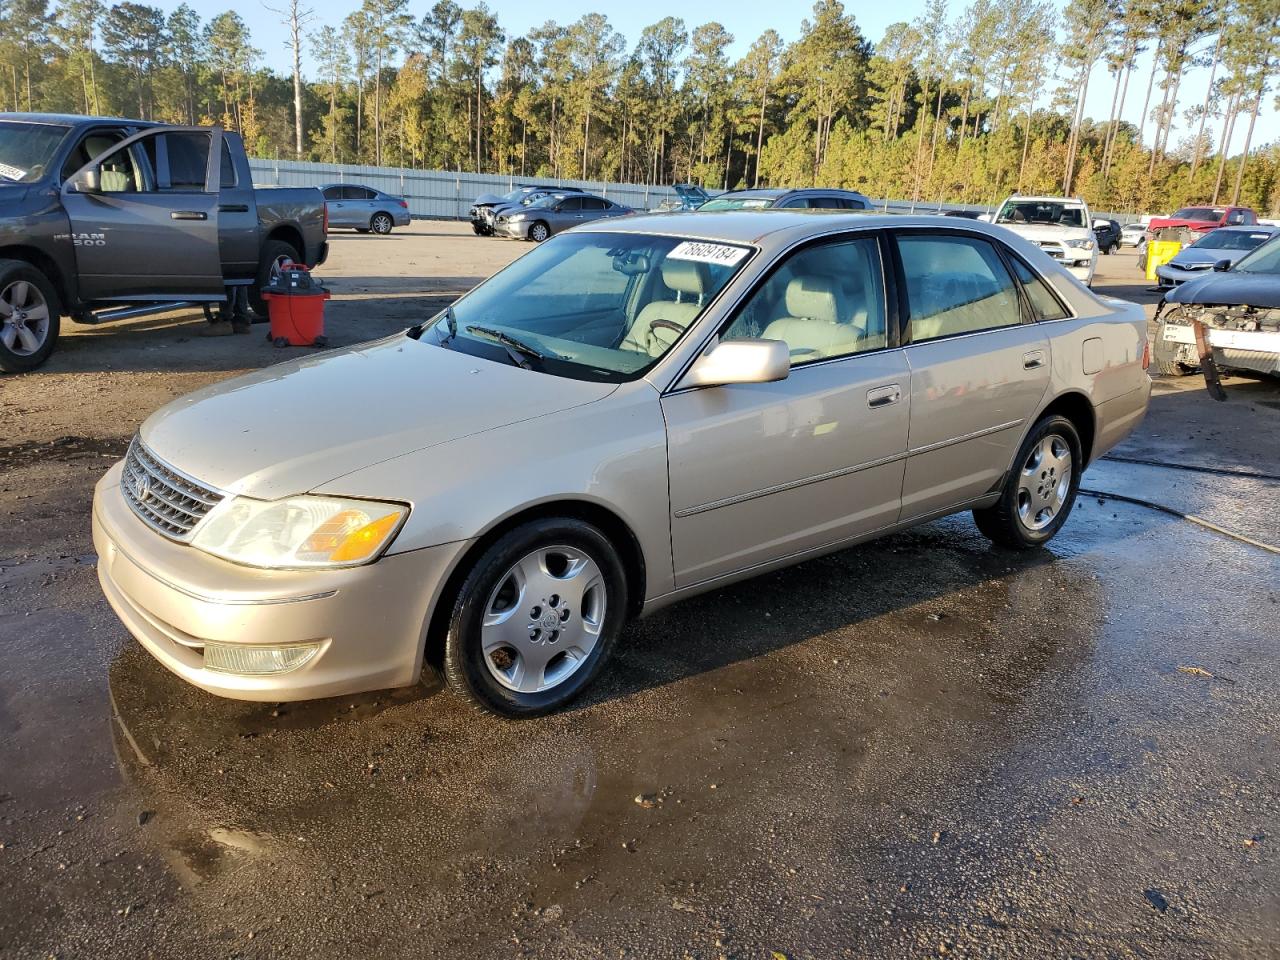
(1217, 249)
(556, 212)
(635, 412)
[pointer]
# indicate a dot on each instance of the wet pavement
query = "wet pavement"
(918, 747)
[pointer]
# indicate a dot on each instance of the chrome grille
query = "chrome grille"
(164, 499)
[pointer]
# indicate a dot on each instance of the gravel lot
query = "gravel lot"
(917, 747)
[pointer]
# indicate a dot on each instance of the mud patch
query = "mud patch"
(61, 450)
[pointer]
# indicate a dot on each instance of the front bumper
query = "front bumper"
(1169, 275)
(1257, 350)
(515, 229)
(370, 621)
(1082, 270)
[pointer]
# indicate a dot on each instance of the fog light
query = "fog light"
(252, 660)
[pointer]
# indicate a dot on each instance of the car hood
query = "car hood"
(1230, 289)
(289, 428)
(488, 199)
(1048, 232)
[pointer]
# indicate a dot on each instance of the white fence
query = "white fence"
(441, 195)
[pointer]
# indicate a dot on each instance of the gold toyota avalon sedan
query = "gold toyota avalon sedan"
(636, 411)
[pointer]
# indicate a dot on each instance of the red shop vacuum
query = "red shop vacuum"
(295, 305)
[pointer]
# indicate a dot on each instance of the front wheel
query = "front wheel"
(28, 317)
(539, 232)
(381, 224)
(536, 618)
(1040, 490)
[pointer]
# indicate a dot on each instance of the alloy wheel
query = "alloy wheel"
(538, 232)
(1045, 482)
(381, 224)
(543, 619)
(24, 318)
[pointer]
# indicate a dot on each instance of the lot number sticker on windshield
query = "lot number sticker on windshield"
(719, 253)
(13, 173)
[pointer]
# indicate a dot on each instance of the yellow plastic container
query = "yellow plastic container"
(1160, 252)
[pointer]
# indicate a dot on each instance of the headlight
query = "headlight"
(518, 216)
(299, 531)
(1080, 244)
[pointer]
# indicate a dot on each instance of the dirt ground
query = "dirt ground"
(918, 747)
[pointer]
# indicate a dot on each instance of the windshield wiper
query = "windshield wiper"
(516, 348)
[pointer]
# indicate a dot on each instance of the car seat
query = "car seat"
(116, 174)
(689, 281)
(819, 322)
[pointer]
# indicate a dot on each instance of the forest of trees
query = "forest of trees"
(961, 105)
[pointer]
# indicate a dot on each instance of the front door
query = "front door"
(979, 369)
(144, 217)
(764, 471)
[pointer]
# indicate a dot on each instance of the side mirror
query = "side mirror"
(88, 181)
(1222, 266)
(740, 361)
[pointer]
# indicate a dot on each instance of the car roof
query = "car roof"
(756, 227)
(1018, 198)
(71, 119)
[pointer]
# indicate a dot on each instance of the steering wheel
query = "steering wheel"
(660, 324)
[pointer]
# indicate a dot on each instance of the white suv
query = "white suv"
(1061, 226)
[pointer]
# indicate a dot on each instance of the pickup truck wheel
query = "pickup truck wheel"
(1040, 490)
(275, 253)
(28, 317)
(381, 224)
(536, 618)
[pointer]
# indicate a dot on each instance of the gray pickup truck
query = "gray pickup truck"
(104, 219)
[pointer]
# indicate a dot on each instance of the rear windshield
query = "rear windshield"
(1044, 212)
(27, 149)
(1232, 239)
(737, 203)
(1199, 213)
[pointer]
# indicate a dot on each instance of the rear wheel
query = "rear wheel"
(275, 254)
(1040, 490)
(381, 223)
(539, 232)
(28, 317)
(536, 618)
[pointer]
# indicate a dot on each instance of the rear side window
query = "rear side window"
(594, 203)
(355, 193)
(570, 203)
(227, 174)
(954, 285)
(1044, 305)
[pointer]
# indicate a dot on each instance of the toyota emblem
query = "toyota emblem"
(141, 488)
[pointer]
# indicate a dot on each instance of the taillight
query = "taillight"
(405, 204)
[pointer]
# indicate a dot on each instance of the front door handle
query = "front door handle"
(188, 215)
(883, 396)
(1033, 360)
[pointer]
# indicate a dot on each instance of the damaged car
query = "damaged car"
(1237, 310)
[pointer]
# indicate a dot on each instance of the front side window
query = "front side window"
(188, 161)
(955, 284)
(824, 301)
(592, 306)
(333, 193)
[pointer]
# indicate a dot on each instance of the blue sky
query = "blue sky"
(746, 20)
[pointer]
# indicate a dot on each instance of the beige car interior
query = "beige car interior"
(823, 302)
(954, 289)
(660, 322)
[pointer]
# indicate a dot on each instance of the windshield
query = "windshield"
(26, 149)
(595, 306)
(1232, 239)
(1045, 212)
(1262, 259)
(737, 203)
(1199, 213)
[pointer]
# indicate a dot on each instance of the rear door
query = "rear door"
(144, 217)
(979, 367)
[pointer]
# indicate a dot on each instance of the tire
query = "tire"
(381, 224)
(274, 252)
(541, 615)
(539, 231)
(1040, 490)
(29, 317)
(1166, 360)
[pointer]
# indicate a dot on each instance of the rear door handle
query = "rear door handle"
(1032, 360)
(883, 396)
(188, 215)
(233, 208)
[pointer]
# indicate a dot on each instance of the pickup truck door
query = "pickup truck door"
(144, 217)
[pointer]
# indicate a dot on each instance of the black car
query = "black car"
(1108, 234)
(967, 214)
(779, 199)
(1239, 307)
(482, 210)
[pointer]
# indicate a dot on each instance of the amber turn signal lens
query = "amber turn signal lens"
(359, 544)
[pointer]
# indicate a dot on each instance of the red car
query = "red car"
(1204, 219)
